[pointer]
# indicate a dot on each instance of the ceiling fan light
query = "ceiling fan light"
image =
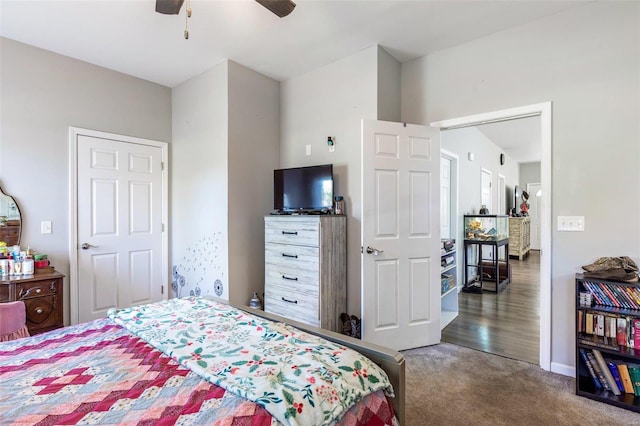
(280, 7)
(169, 7)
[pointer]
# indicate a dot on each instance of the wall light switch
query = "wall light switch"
(308, 150)
(45, 227)
(571, 223)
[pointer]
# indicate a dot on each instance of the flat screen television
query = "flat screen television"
(303, 189)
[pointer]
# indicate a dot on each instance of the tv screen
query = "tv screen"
(303, 188)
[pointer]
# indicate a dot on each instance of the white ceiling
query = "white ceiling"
(520, 138)
(129, 37)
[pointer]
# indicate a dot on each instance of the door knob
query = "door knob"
(87, 246)
(374, 251)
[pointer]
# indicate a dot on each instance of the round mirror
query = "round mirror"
(10, 220)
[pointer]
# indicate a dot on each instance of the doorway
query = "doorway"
(543, 302)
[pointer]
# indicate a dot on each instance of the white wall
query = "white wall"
(199, 181)
(586, 61)
(529, 173)
(225, 147)
(41, 95)
(388, 97)
(254, 152)
(331, 101)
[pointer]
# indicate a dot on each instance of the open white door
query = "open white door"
(400, 234)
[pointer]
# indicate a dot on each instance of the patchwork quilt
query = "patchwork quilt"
(102, 373)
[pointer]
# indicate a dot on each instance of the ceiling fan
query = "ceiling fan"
(280, 7)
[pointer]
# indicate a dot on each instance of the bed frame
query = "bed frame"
(391, 361)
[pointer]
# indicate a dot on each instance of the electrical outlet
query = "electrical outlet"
(308, 150)
(45, 227)
(571, 223)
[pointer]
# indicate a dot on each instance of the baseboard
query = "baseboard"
(564, 369)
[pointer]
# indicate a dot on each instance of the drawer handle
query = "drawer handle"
(289, 232)
(294, 256)
(290, 278)
(289, 301)
(39, 290)
(38, 310)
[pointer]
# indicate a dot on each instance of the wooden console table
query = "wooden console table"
(42, 295)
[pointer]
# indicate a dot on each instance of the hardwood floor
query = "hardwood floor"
(506, 324)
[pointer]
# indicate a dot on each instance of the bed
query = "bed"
(198, 361)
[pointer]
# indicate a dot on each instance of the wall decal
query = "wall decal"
(199, 272)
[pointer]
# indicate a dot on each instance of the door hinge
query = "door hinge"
(162, 289)
(163, 227)
(162, 165)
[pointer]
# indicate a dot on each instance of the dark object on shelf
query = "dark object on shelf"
(604, 263)
(448, 244)
(484, 210)
(474, 287)
(489, 270)
(621, 268)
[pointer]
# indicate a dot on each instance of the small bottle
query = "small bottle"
(338, 204)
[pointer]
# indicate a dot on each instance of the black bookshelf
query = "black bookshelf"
(607, 345)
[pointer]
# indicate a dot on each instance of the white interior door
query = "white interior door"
(535, 211)
(400, 234)
(119, 225)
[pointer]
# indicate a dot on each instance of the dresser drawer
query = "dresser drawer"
(290, 258)
(298, 306)
(291, 278)
(304, 233)
(41, 313)
(36, 289)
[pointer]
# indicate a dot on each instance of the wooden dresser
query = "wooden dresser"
(306, 268)
(42, 295)
(519, 236)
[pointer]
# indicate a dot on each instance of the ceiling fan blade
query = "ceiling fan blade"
(169, 7)
(280, 7)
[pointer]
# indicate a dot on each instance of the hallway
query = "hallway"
(506, 324)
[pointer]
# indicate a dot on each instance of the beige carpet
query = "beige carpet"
(453, 385)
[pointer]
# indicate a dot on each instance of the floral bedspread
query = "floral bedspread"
(297, 377)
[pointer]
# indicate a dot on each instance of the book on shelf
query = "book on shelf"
(598, 344)
(613, 295)
(613, 368)
(589, 325)
(626, 378)
(621, 331)
(606, 372)
(599, 329)
(634, 373)
(598, 371)
(609, 328)
(592, 372)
